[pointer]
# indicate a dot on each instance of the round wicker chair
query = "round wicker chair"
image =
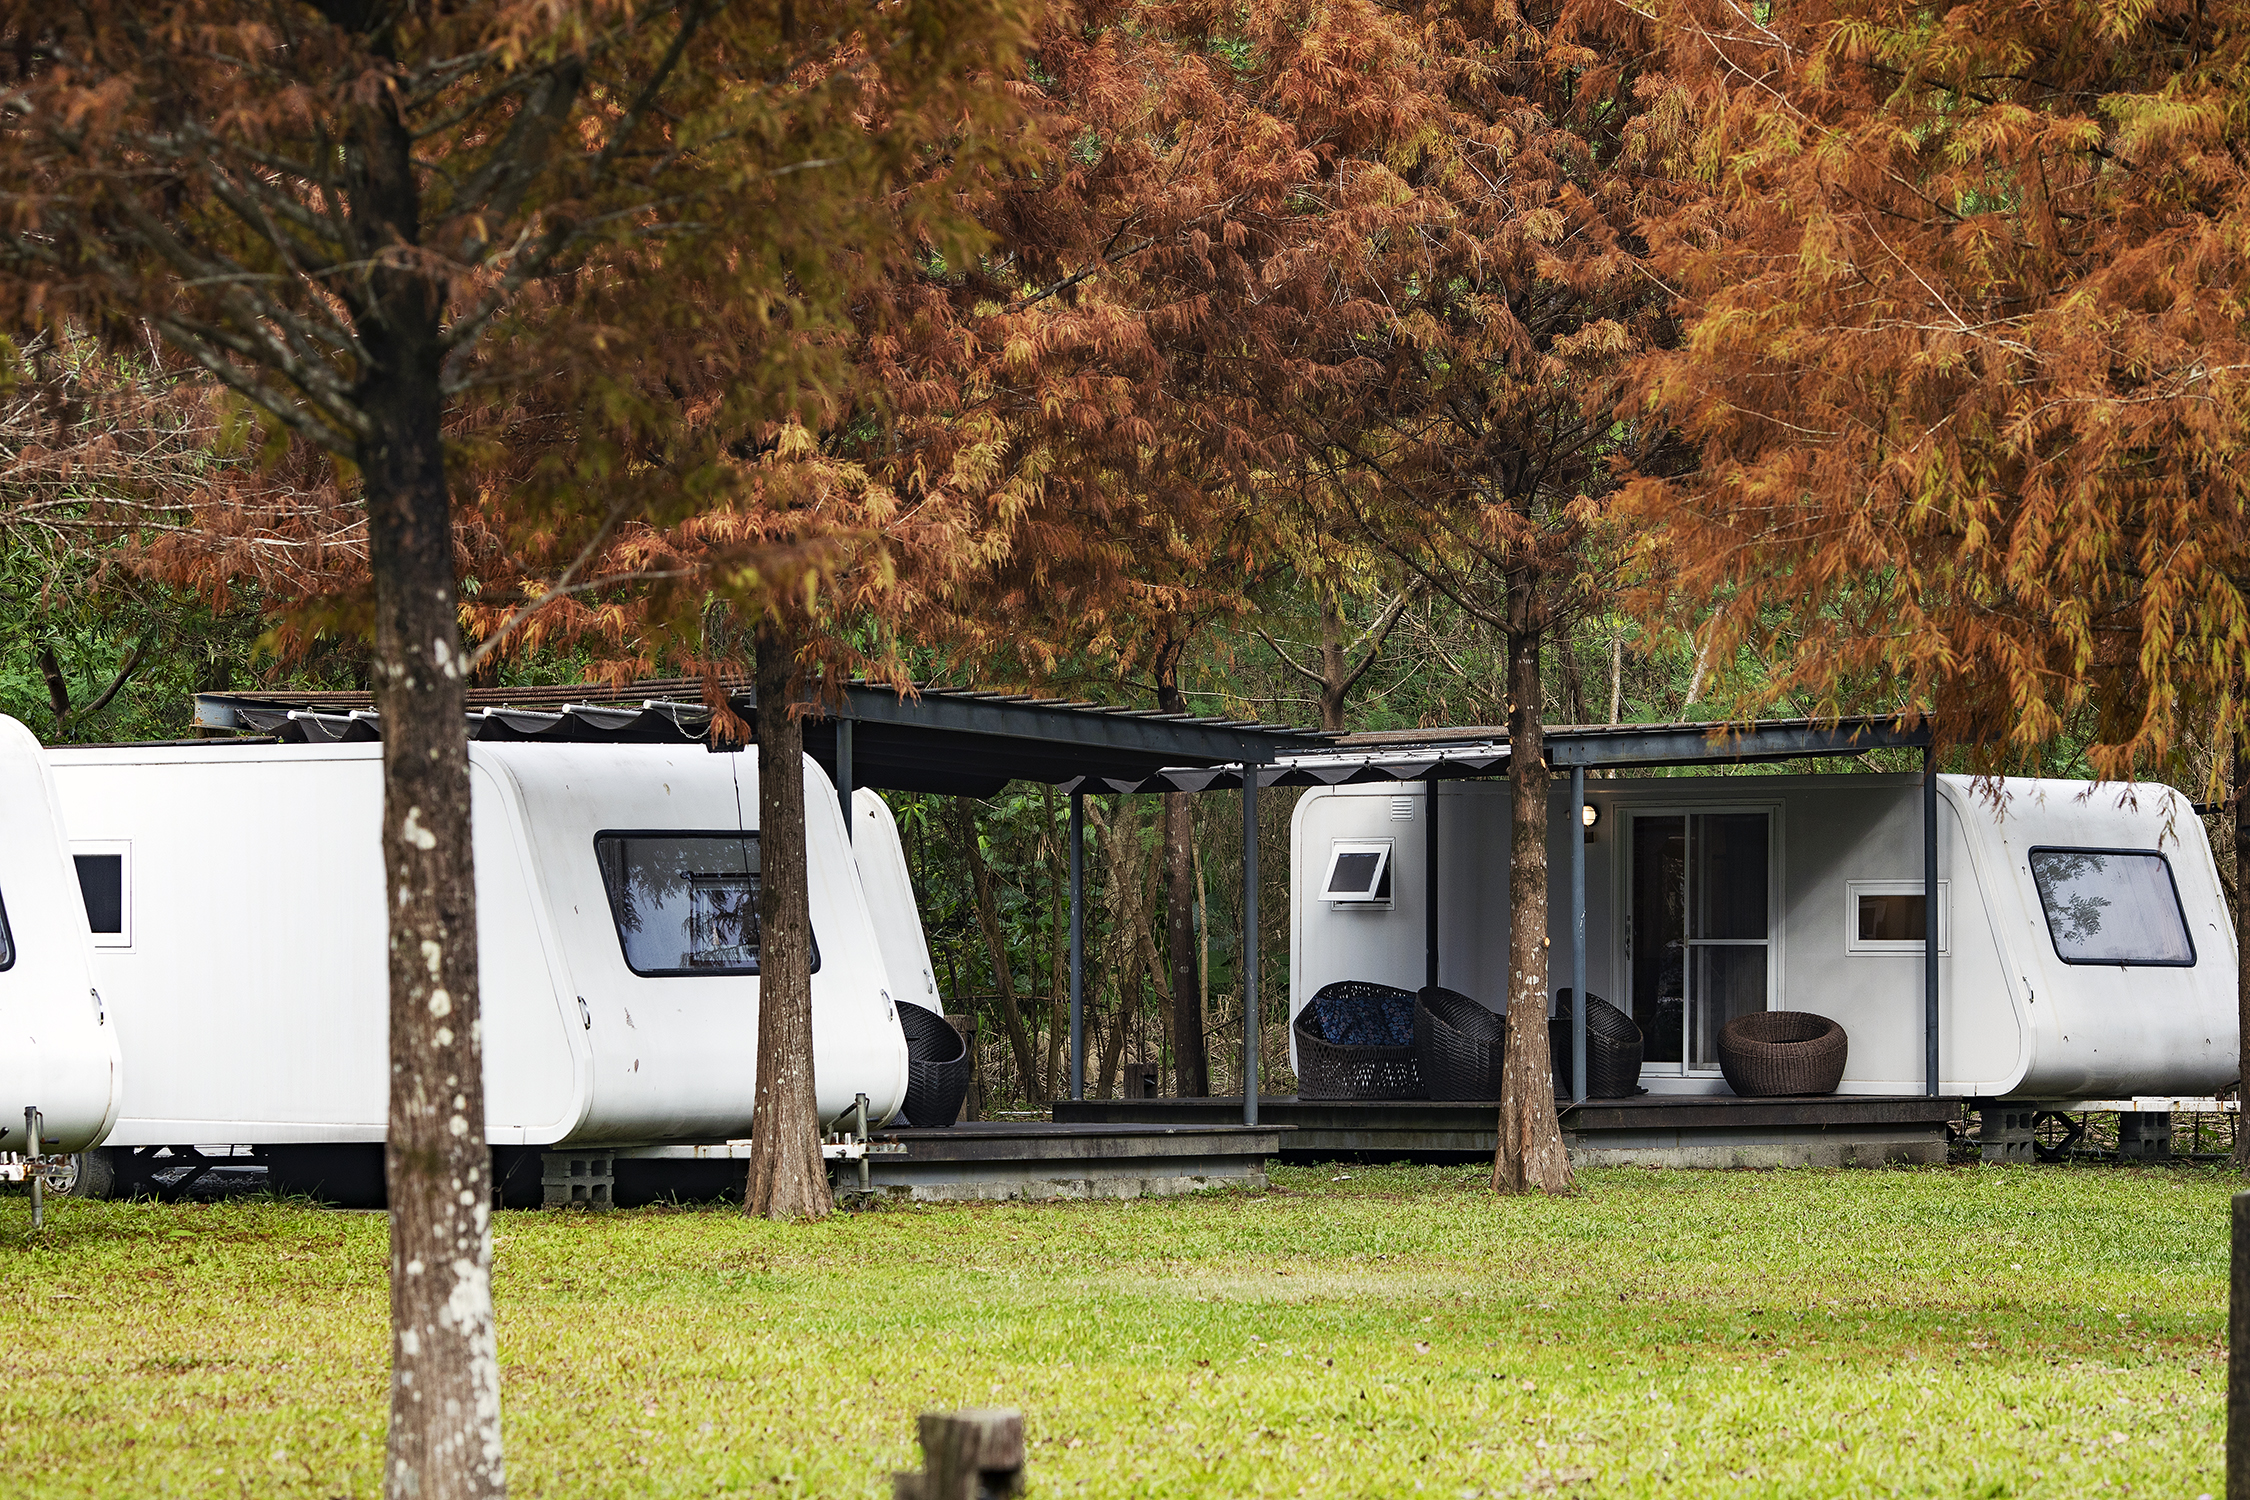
(1613, 1048)
(1355, 1040)
(1770, 1052)
(1458, 1044)
(937, 1068)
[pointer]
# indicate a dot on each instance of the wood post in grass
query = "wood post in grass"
(966, 1455)
(2238, 1354)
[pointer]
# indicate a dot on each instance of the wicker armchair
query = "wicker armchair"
(937, 1068)
(1355, 1040)
(1613, 1048)
(1770, 1052)
(1459, 1045)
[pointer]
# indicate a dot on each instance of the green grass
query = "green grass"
(1982, 1332)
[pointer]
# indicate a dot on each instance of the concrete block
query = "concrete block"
(2144, 1137)
(577, 1179)
(2004, 1134)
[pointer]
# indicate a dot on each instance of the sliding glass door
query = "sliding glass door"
(1698, 930)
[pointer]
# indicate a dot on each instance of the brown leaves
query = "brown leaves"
(1965, 362)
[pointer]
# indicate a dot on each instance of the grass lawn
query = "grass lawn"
(1962, 1331)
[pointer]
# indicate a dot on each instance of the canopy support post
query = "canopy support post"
(1930, 917)
(1430, 887)
(1077, 944)
(1250, 1039)
(1576, 833)
(844, 773)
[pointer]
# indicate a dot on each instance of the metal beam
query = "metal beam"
(1181, 738)
(1697, 745)
(1930, 920)
(1250, 950)
(1077, 945)
(1576, 833)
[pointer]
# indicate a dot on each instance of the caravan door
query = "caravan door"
(1701, 911)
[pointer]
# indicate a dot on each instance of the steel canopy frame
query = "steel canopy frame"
(948, 741)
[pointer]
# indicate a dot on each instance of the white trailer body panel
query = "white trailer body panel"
(58, 1050)
(253, 988)
(881, 857)
(2015, 1018)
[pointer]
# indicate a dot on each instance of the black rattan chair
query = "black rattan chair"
(1613, 1048)
(1458, 1045)
(937, 1068)
(1373, 1055)
(1772, 1052)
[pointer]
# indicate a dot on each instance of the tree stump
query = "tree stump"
(966, 1455)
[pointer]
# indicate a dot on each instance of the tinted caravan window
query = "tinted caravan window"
(2112, 906)
(684, 903)
(101, 880)
(7, 942)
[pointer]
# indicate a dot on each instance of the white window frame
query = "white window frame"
(123, 848)
(1854, 889)
(1337, 849)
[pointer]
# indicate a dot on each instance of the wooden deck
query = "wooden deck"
(987, 1160)
(1675, 1130)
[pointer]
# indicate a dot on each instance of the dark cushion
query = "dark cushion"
(1382, 1020)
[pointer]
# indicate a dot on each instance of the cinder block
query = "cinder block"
(583, 1179)
(2144, 1137)
(2004, 1134)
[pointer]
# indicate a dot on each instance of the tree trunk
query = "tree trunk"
(2242, 940)
(1335, 671)
(1531, 1156)
(1191, 1064)
(1573, 680)
(1058, 908)
(996, 943)
(445, 1374)
(788, 1179)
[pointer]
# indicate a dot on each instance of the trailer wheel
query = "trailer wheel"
(91, 1174)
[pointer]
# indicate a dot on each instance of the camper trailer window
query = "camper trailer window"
(7, 942)
(105, 881)
(684, 903)
(1359, 871)
(2112, 906)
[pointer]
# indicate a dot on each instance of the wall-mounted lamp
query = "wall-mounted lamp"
(1589, 815)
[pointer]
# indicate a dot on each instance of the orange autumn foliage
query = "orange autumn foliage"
(1964, 361)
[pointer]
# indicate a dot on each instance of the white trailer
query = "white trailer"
(2084, 944)
(881, 858)
(243, 941)
(58, 1052)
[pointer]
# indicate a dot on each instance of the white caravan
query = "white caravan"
(2084, 944)
(881, 858)
(58, 1052)
(241, 942)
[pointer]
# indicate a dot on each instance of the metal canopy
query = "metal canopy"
(941, 740)
(1650, 745)
(1466, 754)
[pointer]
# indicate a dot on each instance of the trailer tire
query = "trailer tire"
(93, 1174)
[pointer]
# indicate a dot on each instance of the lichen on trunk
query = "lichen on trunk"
(787, 1178)
(444, 1441)
(1531, 1156)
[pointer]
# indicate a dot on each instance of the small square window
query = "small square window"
(1891, 916)
(105, 881)
(1359, 872)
